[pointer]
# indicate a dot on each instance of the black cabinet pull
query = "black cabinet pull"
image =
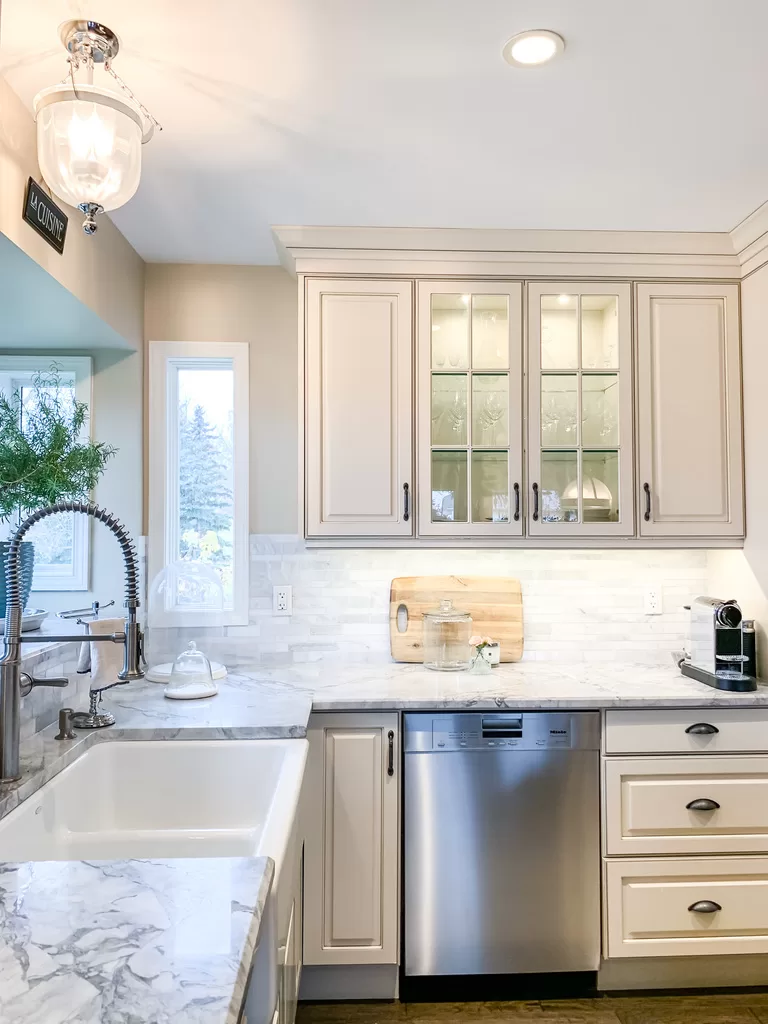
(705, 907)
(535, 502)
(406, 503)
(516, 488)
(390, 753)
(702, 729)
(647, 489)
(703, 804)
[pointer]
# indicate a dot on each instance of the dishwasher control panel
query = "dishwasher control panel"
(502, 731)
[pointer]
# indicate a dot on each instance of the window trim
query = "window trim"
(163, 455)
(25, 367)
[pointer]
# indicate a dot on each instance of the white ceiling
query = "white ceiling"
(402, 112)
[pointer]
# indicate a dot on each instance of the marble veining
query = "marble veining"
(115, 942)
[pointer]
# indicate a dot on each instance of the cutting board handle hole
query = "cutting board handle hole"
(402, 618)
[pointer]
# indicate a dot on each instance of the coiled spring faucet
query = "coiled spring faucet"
(15, 684)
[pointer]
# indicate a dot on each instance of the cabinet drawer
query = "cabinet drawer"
(649, 905)
(666, 732)
(669, 805)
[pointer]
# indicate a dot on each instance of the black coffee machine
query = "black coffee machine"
(721, 646)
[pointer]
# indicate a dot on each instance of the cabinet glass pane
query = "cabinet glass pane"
(559, 410)
(450, 332)
(490, 332)
(599, 332)
(449, 487)
(490, 409)
(490, 487)
(600, 487)
(449, 408)
(559, 332)
(559, 487)
(600, 409)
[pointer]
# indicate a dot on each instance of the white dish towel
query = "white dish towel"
(106, 658)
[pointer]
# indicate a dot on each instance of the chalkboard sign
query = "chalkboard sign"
(44, 216)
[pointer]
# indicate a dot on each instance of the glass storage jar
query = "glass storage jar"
(446, 638)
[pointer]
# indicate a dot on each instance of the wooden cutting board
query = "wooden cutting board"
(494, 602)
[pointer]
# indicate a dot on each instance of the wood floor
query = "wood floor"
(741, 1008)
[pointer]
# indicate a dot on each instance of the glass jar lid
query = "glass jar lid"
(447, 613)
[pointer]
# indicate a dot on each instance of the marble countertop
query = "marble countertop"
(116, 941)
(90, 942)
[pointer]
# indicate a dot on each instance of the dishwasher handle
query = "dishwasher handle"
(503, 726)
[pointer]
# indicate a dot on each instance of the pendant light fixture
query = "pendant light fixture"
(89, 137)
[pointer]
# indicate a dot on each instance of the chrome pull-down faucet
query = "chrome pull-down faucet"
(13, 682)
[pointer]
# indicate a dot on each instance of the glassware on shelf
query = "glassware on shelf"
(490, 487)
(490, 404)
(449, 408)
(599, 332)
(446, 633)
(450, 331)
(558, 469)
(449, 487)
(490, 332)
(599, 410)
(559, 409)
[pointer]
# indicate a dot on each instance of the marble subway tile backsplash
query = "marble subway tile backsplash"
(578, 605)
(41, 708)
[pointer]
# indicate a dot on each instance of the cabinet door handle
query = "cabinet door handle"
(390, 753)
(535, 502)
(647, 514)
(702, 729)
(406, 503)
(705, 907)
(703, 804)
(516, 488)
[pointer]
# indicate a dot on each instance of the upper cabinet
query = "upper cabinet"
(358, 415)
(469, 409)
(689, 411)
(434, 409)
(580, 457)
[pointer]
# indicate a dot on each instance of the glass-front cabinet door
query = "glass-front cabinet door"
(580, 469)
(470, 409)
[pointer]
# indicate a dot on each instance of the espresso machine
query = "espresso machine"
(721, 650)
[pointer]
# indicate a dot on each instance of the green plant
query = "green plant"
(44, 456)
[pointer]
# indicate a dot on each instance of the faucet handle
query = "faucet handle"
(28, 682)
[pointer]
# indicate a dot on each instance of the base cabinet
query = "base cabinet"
(351, 824)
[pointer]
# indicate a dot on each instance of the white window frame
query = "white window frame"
(16, 371)
(165, 358)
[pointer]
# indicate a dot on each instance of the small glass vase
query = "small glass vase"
(481, 663)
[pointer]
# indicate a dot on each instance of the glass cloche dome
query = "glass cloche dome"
(184, 605)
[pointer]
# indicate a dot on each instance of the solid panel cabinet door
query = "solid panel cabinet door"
(580, 452)
(470, 408)
(351, 865)
(359, 350)
(689, 399)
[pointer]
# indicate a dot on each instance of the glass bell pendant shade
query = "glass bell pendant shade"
(88, 146)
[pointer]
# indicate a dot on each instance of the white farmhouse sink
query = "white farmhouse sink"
(155, 799)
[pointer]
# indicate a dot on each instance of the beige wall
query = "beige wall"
(257, 305)
(103, 271)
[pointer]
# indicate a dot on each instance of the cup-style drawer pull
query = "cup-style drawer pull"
(702, 729)
(705, 907)
(704, 804)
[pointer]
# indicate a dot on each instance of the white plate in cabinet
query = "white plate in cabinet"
(686, 805)
(689, 731)
(686, 906)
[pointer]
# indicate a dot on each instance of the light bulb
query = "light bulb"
(527, 49)
(563, 299)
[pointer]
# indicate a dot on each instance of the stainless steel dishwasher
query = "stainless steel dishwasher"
(502, 843)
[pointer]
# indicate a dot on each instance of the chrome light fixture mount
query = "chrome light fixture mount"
(89, 137)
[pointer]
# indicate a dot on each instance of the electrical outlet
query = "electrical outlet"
(652, 601)
(282, 600)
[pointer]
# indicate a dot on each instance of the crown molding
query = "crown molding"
(506, 253)
(750, 240)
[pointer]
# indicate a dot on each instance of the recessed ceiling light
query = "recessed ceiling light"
(527, 49)
(563, 299)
